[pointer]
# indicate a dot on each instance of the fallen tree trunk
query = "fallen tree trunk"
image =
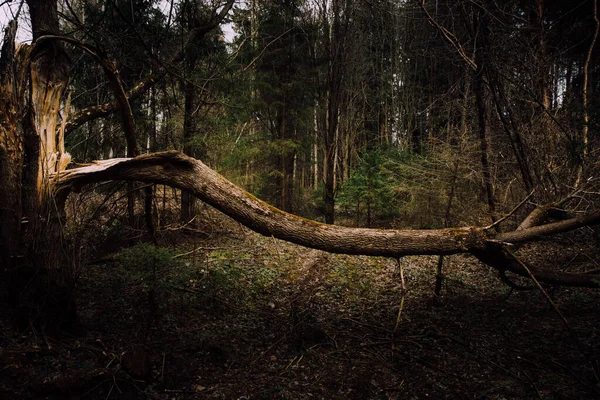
(183, 172)
(180, 171)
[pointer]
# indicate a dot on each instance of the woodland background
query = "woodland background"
(396, 114)
(362, 113)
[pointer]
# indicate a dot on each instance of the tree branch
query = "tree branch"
(102, 110)
(450, 37)
(116, 83)
(536, 232)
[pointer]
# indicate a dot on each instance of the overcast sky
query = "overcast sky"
(9, 10)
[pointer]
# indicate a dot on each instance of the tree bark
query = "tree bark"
(586, 112)
(11, 149)
(481, 101)
(176, 169)
(33, 79)
(189, 127)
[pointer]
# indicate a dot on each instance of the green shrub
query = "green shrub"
(370, 191)
(144, 259)
(388, 183)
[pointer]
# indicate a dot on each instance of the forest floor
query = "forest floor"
(250, 317)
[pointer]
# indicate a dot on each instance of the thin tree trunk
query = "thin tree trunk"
(189, 124)
(479, 88)
(329, 186)
(586, 112)
(439, 277)
(514, 137)
(315, 152)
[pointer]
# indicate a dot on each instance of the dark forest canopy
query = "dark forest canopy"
(470, 127)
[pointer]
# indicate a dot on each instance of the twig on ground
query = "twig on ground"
(529, 378)
(552, 304)
(403, 295)
(375, 327)
(177, 227)
(271, 346)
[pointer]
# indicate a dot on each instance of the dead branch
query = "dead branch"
(514, 210)
(450, 37)
(103, 110)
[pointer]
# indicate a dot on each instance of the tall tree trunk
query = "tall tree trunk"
(11, 150)
(334, 98)
(32, 82)
(286, 157)
(315, 151)
(586, 99)
(482, 103)
(504, 113)
(189, 124)
(329, 168)
(439, 277)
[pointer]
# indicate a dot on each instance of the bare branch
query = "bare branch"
(116, 83)
(514, 210)
(103, 110)
(450, 37)
(536, 232)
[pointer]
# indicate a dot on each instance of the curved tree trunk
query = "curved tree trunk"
(178, 170)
